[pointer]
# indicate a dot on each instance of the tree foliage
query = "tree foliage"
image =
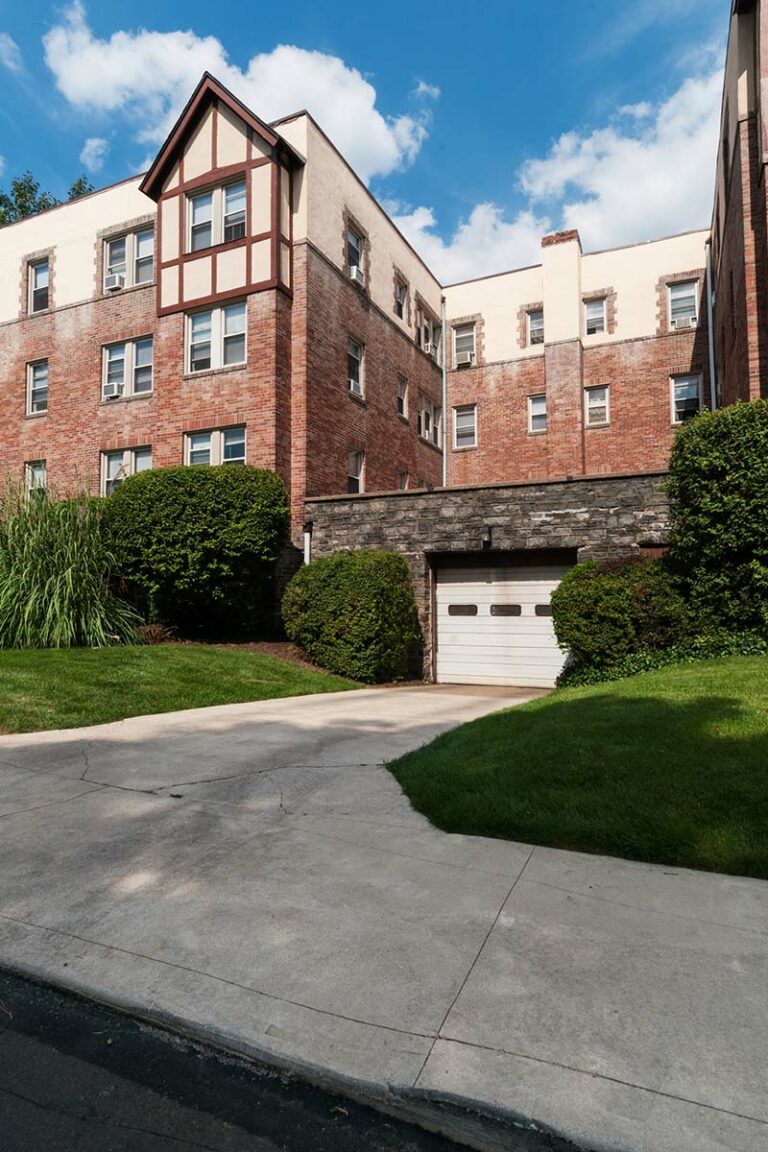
(26, 199)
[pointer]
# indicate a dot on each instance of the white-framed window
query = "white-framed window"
(595, 316)
(123, 462)
(403, 481)
(464, 344)
(402, 396)
(465, 426)
(683, 304)
(39, 285)
(216, 216)
(536, 326)
(401, 298)
(129, 259)
(355, 471)
(537, 413)
(597, 406)
(428, 335)
(127, 368)
(430, 421)
(355, 245)
(216, 337)
(355, 353)
(37, 387)
(35, 476)
(215, 446)
(685, 397)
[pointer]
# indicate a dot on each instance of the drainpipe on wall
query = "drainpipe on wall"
(308, 526)
(444, 364)
(711, 331)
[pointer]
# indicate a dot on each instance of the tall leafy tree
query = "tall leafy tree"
(25, 198)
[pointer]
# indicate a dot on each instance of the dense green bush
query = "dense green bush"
(718, 486)
(603, 613)
(196, 547)
(707, 647)
(354, 613)
(55, 573)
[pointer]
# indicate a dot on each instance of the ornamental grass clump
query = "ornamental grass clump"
(55, 572)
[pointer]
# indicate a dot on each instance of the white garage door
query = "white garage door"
(494, 625)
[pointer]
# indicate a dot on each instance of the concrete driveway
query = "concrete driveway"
(251, 873)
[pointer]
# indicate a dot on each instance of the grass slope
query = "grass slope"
(669, 767)
(67, 688)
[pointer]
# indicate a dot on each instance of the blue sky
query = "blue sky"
(478, 132)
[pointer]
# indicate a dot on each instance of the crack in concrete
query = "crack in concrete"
(53, 803)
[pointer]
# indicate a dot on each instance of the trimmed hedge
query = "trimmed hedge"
(718, 485)
(689, 652)
(196, 548)
(605, 612)
(354, 614)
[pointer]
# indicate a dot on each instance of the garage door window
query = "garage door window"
(462, 609)
(543, 610)
(506, 610)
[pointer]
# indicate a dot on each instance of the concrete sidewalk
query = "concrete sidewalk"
(250, 873)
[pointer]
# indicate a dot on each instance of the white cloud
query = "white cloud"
(2, 165)
(425, 91)
(640, 111)
(10, 53)
(94, 153)
(149, 76)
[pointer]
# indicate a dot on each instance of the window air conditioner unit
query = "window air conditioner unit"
(684, 322)
(430, 349)
(114, 282)
(465, 359)
(111, 391)
(357, 275)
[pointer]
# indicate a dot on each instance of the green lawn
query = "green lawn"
(67, 688)
(669, 767)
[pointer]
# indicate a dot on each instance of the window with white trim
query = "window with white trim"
(215, 446)
(536, 326)
(597, 406)
(401, 298)
(355, 471)
(428, 332)
(430, 421)
(402, 396)
(683, 304)
(465, 426)
(403, 481)
(130, 259)
(39, 285)
(463, 344)
(685, 397)
(127, 368)
(355, 353)
(216, 337)
(594, 315)
(35, 476)
(537, 413)
(355, 245)
(37, 387)
(118, 465)
(216, 216)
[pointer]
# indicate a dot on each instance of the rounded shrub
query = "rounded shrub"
(604, 612)
(196, 548)
(354, 614)
(718, 485)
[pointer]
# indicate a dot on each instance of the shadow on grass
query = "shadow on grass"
(673, 781)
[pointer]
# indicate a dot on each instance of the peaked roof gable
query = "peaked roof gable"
(208, 91)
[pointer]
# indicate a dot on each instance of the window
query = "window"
(462, 609)
(403, 481)
(465, 426)
(127, 368)
(38, 286)
(354, 249)
(686, 397)
(37, 387)
(430, 421)
(536, 327)
(597, 406)
(216, 338)
(355, 367)
(402, 397)
(401, 298)
(464, 344)
(217, 216)
(427, 332)
(595, 316)
(115, 466)
(35, 476)
(355, 469)
(682, 304)
(537, 413)
(216, 446)
(130, 257)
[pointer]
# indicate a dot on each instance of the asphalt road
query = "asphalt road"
(76, 1077)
